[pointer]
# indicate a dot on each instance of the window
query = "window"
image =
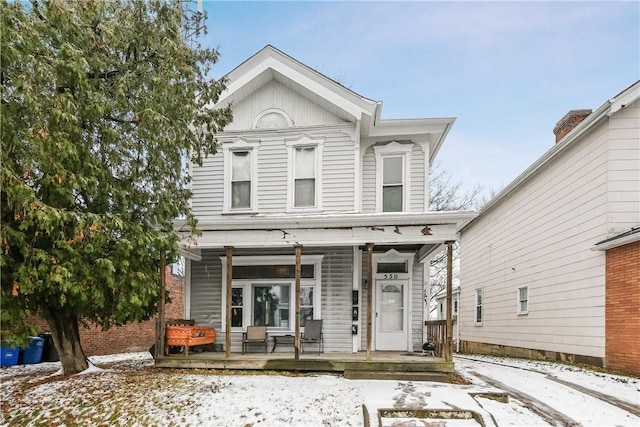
(305, 177)
(392, 176)
(239, 175)
(392, 267)
(271, 305)
(240, 180)
(455, 307)
(305, 173)
(392, 184)
(306, 303)
(263, 291)
(236, 307)
(478, 319)
(523, 300)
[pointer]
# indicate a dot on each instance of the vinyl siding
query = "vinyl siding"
(416, 309)
(276, 95)
(369, 181)
(417, 180)
(540, 236)
(206, 293)
(623, 194)
(206, 290)
(338, 174)
(208, 186)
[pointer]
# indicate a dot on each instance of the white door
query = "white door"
(391, 315)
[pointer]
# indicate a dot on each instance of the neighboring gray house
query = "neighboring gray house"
(535, 280)
(309, 162)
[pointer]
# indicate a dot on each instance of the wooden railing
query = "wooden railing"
(437, 334)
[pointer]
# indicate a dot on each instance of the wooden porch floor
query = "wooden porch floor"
(383, 365)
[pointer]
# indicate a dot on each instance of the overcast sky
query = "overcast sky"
(508, 71)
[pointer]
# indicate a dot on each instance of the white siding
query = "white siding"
(624, 169)
(369, 181)
(416, 177)
(416, 198)
(276, 95)
(540, 236)
(337, 277)
(417, 305)
(208, 186)
(338, 174)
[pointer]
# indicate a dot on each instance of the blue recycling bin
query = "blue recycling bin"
(9, 356)
(33, 353)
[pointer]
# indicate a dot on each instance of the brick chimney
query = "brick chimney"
(572, 119)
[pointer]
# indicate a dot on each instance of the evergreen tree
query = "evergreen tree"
(102, 102)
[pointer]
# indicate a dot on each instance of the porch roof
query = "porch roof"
(429, 229)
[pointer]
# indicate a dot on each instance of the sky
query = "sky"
(507, 71)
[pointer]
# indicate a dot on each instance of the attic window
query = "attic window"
(272, 118)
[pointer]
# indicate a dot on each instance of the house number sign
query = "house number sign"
(389, 276)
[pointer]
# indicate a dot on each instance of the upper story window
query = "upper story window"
(240, 175)
(304, 177)
(392, 184)
(392, 176)
(304, 188)
(241, 180)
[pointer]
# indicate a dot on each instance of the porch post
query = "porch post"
(159, 350)
(369, 298)
(227, 337)
(296, 338)
(448, 348)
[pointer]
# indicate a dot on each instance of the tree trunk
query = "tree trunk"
(66, 337)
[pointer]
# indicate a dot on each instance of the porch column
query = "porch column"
(369, 298)
(296, 338)
(159, 350)
(227, 336)
(448, 347)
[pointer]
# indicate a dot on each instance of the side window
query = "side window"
(479, 302)
(306, 303)
(237, 305)
(523, 300)
(240, 157)
(304, 187)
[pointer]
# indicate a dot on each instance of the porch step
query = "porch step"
(354, 374)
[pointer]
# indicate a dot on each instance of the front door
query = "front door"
(391, 315)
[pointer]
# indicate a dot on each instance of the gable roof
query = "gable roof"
(272, 64)
(624, 98)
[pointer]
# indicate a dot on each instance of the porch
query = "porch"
(382, 364)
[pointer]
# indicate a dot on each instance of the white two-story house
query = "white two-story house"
(550, 268)
(308, 163)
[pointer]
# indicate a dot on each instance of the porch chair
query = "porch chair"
(255, 335)
(312, 334)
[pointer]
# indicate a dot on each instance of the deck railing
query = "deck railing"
(437, 333)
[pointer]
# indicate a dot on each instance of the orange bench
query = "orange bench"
(187, 336)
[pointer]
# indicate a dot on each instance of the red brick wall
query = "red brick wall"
(137, 336)
(622, 321)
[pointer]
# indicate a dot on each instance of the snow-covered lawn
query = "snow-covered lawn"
(129, 391)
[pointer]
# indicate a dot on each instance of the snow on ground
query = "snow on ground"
(128, 391)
